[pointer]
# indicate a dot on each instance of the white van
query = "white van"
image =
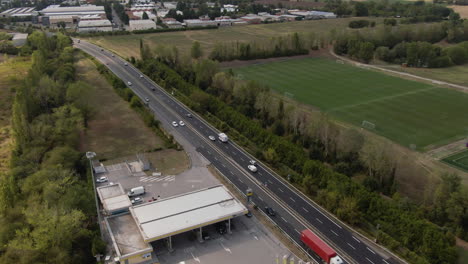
(136, 191)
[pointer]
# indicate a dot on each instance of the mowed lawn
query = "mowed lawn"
(128, 45)
(404, 111)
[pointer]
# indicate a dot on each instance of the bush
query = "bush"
(390, 22)
(359, 23)
(457, 54)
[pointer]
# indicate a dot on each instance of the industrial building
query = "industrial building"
(141, 24)
(132, 233)
(190, 23)
(94, 25)
(18, 12)
(113, 198)
(308, 15)
(70, 15)
(172, 23)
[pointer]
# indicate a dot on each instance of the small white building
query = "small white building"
(229, 8)
(141, 24)
(94, 25)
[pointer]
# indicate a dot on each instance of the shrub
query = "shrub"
(359, 23)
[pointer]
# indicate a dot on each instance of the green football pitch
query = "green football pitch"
(459, 160)
(408, 112)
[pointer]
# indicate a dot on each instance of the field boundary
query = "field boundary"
(452, 160)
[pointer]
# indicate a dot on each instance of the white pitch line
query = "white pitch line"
(334, 233)
(351, 246)
(370, 261)
(319, 220)
(305, 209)
(370, 250)
(284, 219)
(359, 241)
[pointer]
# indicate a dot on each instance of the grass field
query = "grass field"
(404, 111)
(12, 72)
(115, 129)
(127, 45)
(454, 74)
(459, 160)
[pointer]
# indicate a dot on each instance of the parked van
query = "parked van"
(136, 191)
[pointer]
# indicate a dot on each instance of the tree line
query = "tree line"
(320, 159)
(47, 208)
(410, 45)
(281, 46)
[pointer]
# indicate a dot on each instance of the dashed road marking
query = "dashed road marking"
(231, 172)
(260, 198)
(284, 219)
(241, 180)
(351, 246)
(319, 220)
(223, 165)
(359, 241)
(292, 199)
(370, 261)
(370, 250)
(297, 231)
(334, 233)
(305, 209)
(281, 190)
(270, 181)
(385, 261)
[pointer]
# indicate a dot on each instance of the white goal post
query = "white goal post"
(367, 124)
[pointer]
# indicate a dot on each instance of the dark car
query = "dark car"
(248, 214)
(270, 211)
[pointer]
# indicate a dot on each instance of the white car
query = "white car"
(181, 123)
(212, 138)
(253, 162)
(126, 64)
(113, 55)
(101, 179)
(252, 168)
(174, 123)
(141, 76)
(129, 83)
(147, 99)
(137, 200)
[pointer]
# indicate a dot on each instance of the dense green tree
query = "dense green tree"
(196, 51)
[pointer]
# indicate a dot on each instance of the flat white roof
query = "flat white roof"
(142, 22)
(185, 212)
(113, 198)
(95, 23)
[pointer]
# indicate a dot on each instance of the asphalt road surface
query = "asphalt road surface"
(294, 211)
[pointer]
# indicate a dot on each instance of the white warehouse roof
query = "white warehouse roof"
(113, 197)
(185, 212)
(95, 23)
(54, 10)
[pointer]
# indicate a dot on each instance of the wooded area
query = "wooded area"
(47, 208)
(282, 138)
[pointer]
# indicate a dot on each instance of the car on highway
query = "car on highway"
(129, 83)
(146, 99)
(269, 211)
(212, 138)
(113, 55)
(252, 168)
(141, 76)
(174, 123)
(253, 162)
(181, 123)
(101, 179)
(126, 64)
(102, 49)
(137, 200)
(189, 115)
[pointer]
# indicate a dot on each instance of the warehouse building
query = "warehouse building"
(141, 24)
(94, 25)
(132, 233)
(18, 12)
(56, 10)
(190, 23)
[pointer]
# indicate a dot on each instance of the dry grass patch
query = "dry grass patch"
(115, 129)
(462, 10)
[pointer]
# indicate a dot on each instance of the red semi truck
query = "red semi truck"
(320, 248)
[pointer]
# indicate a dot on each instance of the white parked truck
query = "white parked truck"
(223, 137)
(136, 191)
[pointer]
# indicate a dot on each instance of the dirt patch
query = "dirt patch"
(241, 63)
(462, 10)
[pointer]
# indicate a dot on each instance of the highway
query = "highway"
(294, 211)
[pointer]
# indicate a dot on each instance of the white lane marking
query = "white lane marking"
(351, 246)
(370, 261)
(260, 198)
(297, 231)
(209, 153)
(255, 237)
(356, 239)
(281, 190)
(231, 172)
(215, 158)
(270, 181)
(319, 220)
(195, 258)
(226, 248)
(385, 261)
(284, 219)
(292, 199)
(370, 250)
(242, 159)
(241, 180)
(233, 153)
(305, 209)
(223, 165)
(334, 232)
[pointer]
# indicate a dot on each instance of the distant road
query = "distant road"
(295, 211)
